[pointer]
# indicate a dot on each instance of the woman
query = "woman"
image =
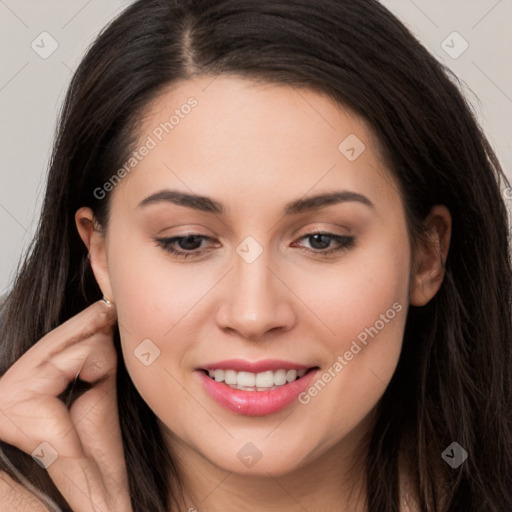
(297, 228)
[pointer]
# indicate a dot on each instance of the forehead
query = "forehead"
(237, 139)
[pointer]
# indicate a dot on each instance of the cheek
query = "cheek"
(352, 295)
(365, 306)
(153, 293)
(158, 306)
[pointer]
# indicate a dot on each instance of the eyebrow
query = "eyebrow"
(206, 204)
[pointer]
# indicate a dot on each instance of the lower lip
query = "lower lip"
(255, 403)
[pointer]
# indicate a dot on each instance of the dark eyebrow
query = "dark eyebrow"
(323, 200)
(205, 204)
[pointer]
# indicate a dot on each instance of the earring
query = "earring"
(107, 301)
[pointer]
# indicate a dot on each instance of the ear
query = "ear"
(93, 237)
(430, 258)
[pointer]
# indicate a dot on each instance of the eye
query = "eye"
(320, 242)
(190, 245)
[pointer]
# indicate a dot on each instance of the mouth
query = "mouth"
(262, 381)
(270, 387)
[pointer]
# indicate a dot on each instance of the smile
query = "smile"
(263, 381)
(255, 388)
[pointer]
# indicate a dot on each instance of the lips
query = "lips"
(255, 388)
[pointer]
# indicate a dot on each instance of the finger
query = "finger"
(93, 358)
(96, 420)
(30, 411)
(98, 317)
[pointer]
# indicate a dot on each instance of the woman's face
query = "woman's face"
(258, 291)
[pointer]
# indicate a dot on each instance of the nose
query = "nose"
(256, 300)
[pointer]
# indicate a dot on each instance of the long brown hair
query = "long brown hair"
(453, 381)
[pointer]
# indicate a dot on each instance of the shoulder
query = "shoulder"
(16, 498)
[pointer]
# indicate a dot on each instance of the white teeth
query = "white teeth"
(265, 379)
(291, 375)
(246, 379)
(280, 377)
(230, 377)
(262, 381)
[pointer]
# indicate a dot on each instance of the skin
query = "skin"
(254, 148)
(80, 443)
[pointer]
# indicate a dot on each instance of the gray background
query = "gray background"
(32, 88)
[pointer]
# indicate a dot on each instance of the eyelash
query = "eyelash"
(168, 244)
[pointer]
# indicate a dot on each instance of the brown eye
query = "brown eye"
(320, 242)
(183, 246)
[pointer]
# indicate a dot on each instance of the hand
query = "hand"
(90, 469)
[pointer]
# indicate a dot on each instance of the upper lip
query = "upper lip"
(241, 365)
